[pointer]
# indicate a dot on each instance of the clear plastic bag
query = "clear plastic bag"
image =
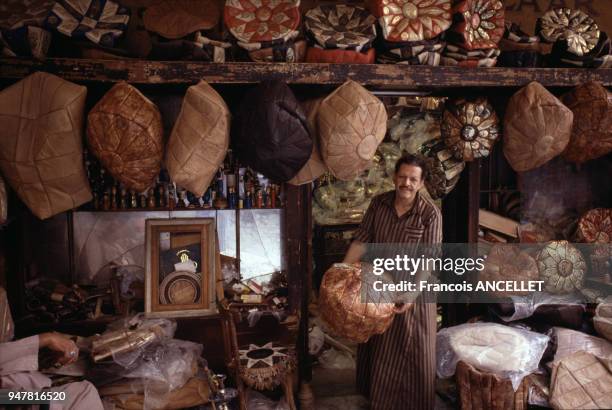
(525, 306)
(507, 352)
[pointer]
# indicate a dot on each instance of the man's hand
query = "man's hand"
(61, 344)
(355, 252)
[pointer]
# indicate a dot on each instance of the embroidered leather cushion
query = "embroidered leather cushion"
(591, 136)
(100, 21)
(537, 128)
(125, 132)
(574, 26)
(412, 20)
(341, 26)
(271, 134)
(470, 128)
(315, 167)
(252, 21)
(562, 267)
(41, 152)
(177, 18)
(265, 367)
(352, 123)
(319, 55)
(199, 140)
(477, 23)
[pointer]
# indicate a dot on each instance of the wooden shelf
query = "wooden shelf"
(374, 75)
(170, 210)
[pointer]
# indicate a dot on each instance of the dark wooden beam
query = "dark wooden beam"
(373, 75)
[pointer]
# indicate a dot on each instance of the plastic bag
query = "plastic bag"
(126, 339)
(571, 341)
(257, 401)
(525, 306)
(508, 352)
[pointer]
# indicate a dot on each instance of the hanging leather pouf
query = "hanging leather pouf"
(591, 136)
(352, 123)
(199, 140)
(41, 152)
(124, 130)
(271, 133)
(470, 128)
(537, 128)
(175, 19)
(315, 167)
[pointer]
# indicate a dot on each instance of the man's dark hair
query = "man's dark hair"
(409, 159)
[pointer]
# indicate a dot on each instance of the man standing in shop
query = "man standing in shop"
(397, 369)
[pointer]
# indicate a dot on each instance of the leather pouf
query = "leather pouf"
(352, 123)
(595, 226)
(537, 128)
(562, 267)
(199, 140)
(315, 167)
(174, 19)
(477, 24)
(412, 20)
(265, 367)
(470, 128)
(124, 130)
(271, 133)
(509, 263)
(348, 311)
(591, 137)
(41, 151)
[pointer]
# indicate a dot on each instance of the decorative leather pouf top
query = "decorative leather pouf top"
(537, 127)
(124, 130)
(265, 367)
(199, 140)
(252, 21)
(177, 18)
(341, 26)
(100, 21)
(591, 136)
(352, 123)
(562, 267)
(595, 226)
(478, 23)
(348, 311)
(41, 151)
(412, 20)
(574, 26)
(444, 169)
(470, 128)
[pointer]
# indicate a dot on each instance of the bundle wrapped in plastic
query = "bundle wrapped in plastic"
(125, 343)
(504, 351)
